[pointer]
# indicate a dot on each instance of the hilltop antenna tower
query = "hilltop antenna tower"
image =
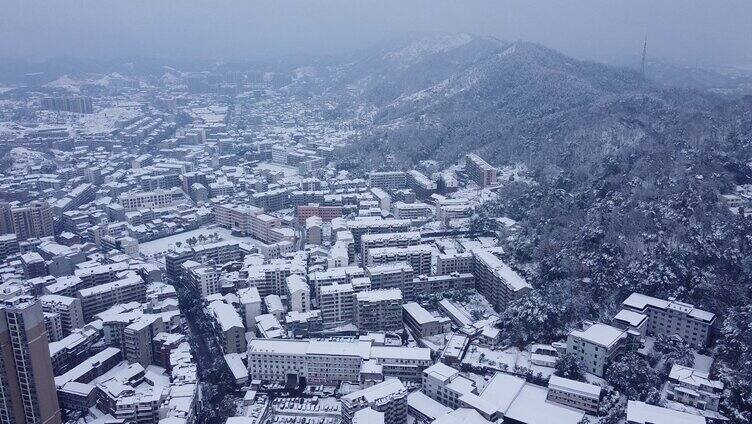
(644, 50)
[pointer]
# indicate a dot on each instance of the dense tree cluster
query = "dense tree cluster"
(633, 376)
(570, 366)
(531, 318)
(734, 350)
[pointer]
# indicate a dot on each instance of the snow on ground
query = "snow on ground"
(429, 45)
(474, 194)
(503, 360)
(161, 246)
(517, 172)
(436, 342)
(703, 362)
(289, 171)
(65, 83)
(105, 119)
(478, 306)
(22, 158)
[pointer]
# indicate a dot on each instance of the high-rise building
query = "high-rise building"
(28, 386)
(32, 220)
(479, 170)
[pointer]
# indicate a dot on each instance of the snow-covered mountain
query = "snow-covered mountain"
(440, 97)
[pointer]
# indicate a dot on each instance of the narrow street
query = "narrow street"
(217, 384)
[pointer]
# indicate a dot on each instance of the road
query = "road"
(217, 383)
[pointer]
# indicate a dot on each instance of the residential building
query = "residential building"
(28, 394)
(598, 344)
(671, 317)
(495, 280)
(694, 388)
(388, 397)
(583, 396)
(378, 310)
(479, 170)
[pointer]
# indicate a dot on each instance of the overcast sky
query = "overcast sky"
(716, 32)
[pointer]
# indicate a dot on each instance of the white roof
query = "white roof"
(441, 371)
(530, 406)
(600, 334)
(642, 413)
(379, 295)
(235, 363)
(574, 386)
(226, 315)
(502, 270)
(419, 313)
(462, 415)
(382, 390)
(630, 317)
(693, 377)
(502, 390)
(426, 406)
(640, 301)
(368, 416)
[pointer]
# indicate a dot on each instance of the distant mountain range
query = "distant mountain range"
(441, 96)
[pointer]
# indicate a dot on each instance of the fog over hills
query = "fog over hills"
(440, 96)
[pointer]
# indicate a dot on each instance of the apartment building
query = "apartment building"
(694, 388)
(303, 324)
(415, 211)
(203, 278)
(598, 343)
(576, 394)
(76, 104)
(388, 398)
(448, 263)
(159, 198)
(53, 326)
(479, 170)
(426, 284)
(137, 341)
(271, 278)
(219, 253)
(445, 385)
(32, 220)
(314, 230)
(28, 394)
(232, 331)
(419, 256)
(69, 309)
(671, 317)
(272, 200)
(421, 322)
(372, 225)
(236, 217)
(336, 275)
(390, 180)
(382, 240)
(495, 280)
(100, 274)
(298, 293)
(331, 362)
(8, 245)
(98, 298)
(250, 300)
(395, 275)
(337, 304)
(378, 310)
(326, 212)
(420, 184)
